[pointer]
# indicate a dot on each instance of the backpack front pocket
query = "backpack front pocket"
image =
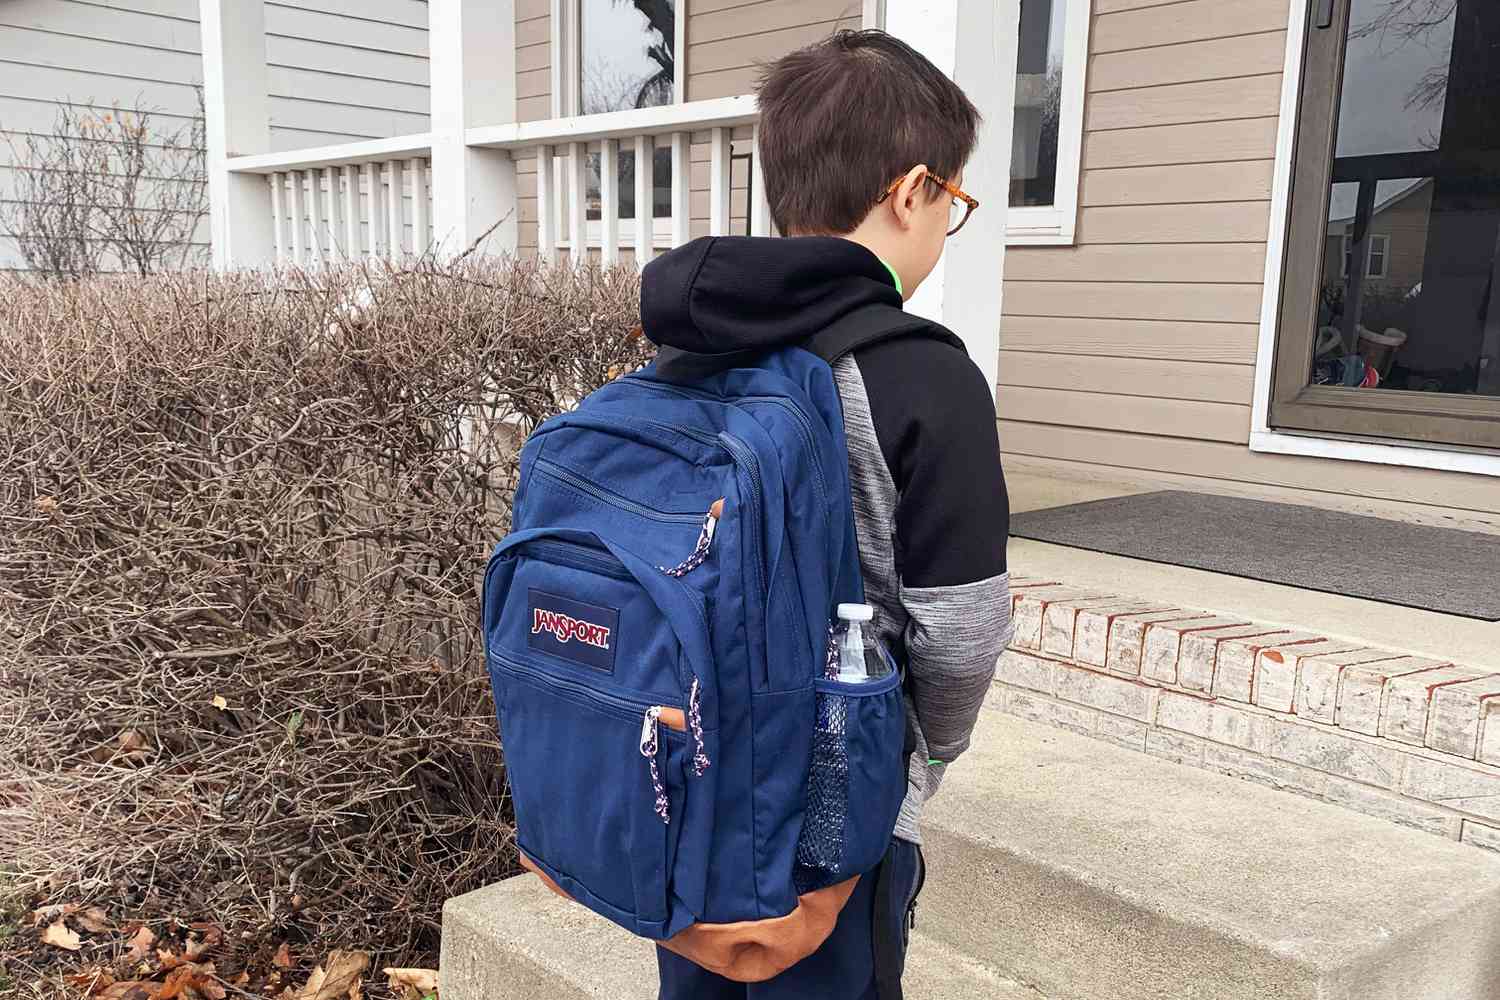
(599, 790)
(856, 780)
(606, 724)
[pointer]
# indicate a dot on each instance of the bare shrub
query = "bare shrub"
(243, 526)
(108, 190)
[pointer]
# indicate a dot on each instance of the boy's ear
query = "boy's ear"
(907, 197)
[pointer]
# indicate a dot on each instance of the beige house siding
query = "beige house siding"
(365, 60)
(728, 41)
(1134, 350)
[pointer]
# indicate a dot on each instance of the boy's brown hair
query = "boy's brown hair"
(844, 117)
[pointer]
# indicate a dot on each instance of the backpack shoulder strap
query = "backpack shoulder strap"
(873, 324)
(869, 324)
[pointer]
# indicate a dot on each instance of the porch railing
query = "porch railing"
(458, 185)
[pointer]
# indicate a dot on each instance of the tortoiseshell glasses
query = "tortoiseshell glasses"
(962, 207)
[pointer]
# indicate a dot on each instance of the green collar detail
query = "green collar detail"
(895, 278)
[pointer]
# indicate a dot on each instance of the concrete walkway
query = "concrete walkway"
(1067, 867)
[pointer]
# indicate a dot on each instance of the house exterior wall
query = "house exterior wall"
(339, 70)
(1134, 350)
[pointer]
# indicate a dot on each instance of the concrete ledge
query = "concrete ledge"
(1095, 872)
(516, 941)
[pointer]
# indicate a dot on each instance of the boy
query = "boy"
(863, 143)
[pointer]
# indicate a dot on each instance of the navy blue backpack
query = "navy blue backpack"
(656, 628)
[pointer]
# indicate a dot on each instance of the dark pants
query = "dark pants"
(861, 960)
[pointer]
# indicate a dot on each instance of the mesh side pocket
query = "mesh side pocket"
(820, 848)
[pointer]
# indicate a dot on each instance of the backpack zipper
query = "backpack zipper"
(550, 468)
(804, 424)
(624, 708)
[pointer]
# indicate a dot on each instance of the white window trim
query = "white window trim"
(1262, 437)
(1057, 224)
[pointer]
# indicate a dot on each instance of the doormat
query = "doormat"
(1436, 569)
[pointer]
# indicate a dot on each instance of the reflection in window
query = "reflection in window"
(627, 61)
(1415, 198)
(1039, 85)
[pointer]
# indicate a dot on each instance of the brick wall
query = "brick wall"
(1410, 739)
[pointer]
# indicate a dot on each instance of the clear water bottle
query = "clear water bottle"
(861, 656)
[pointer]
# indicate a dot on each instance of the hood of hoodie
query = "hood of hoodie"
(720, 294)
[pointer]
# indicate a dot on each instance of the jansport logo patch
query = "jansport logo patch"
(567, 629)
(563, 626)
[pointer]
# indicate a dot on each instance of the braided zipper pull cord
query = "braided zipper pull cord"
(695, 722)
(700, 550)
(650, 727)
(831, 665)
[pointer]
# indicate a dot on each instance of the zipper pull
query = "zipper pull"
(695, 723)
(648, 731)
(650, 727)
(705, 539)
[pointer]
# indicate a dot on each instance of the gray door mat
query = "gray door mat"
(1436, 569)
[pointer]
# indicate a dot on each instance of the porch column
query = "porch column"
(973, 41)
(472, 46)
(237, 124)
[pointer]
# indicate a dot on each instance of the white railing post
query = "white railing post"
(546, 204)
(645, 195)
(473, 66)
(237, 123)
(719, 180)
(577, 189)
(609, 201)
(681, 188)
(395, 220)
(760, 208)
(974, 41)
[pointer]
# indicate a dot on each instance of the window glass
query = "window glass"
(627, 61)
(1039, 85)
(1414, 197)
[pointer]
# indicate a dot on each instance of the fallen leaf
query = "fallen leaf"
(140, 944)
(168, 958)
(47, 505)
(138, 989)
(49, 914)
(422, 981)
(178, 980)
(90, 981)
(94, 920)
(283, 956)
(212, 933)
(59, 936)
(220, 703)
(242, 978)
(342, 977)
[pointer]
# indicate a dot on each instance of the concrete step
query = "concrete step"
(516, 941)
(1094, 871)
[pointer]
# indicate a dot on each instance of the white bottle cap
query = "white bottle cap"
(856, 612)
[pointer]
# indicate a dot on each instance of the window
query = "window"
(1380, 249)
(1397, 166)
(1375, 264)
(619, 55)
(1051, 61)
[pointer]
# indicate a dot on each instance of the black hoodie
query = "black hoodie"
(930, 505)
